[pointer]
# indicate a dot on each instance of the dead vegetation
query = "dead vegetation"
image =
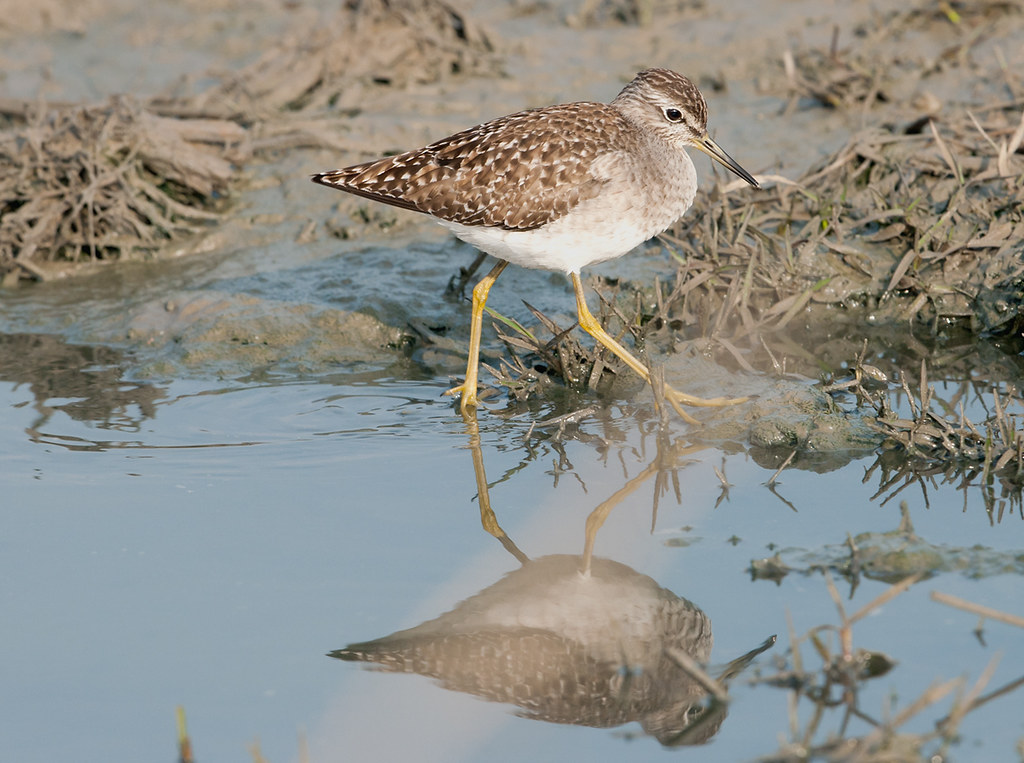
(383, 42)
(929, 436)
(88, 183)
(832, 78)
(872, 65)
(919, 216)
(935, 441)
(534, 359)
(925, 223)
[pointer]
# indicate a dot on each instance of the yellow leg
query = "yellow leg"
(468, 388)
(591, 325)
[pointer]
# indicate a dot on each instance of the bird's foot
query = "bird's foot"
(469, 400)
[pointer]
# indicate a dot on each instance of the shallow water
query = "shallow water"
(206, 543)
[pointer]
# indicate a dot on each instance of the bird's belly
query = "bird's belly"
(571, 242)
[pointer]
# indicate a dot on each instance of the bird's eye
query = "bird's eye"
(673, 115)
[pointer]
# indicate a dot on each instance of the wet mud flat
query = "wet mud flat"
(868, 297)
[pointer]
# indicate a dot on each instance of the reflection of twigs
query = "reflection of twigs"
(184, 741)
(666, 459)
(697, 673)
(986, 698)
(771, 482)
(783, 499)
(845, 629)
(725, 484)
(734, 667)
(978, 609)
(930, 696)
(837, 686)
(883, 598)
(847, 622)
(969, 701)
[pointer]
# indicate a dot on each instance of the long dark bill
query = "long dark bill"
(715, 151)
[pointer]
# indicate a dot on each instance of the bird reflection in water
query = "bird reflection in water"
(571, 639)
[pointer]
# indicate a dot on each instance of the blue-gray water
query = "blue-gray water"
(211, 551)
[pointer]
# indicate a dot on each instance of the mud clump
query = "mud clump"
(233, 335)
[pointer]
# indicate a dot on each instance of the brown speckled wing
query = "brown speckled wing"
(518, 172)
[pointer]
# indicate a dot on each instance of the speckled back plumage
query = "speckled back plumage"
(518, 172)
(526, 170)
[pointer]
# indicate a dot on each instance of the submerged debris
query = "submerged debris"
(889, 557)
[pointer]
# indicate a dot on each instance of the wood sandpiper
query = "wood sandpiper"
(557, 188)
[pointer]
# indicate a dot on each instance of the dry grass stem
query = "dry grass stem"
(978, 609)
